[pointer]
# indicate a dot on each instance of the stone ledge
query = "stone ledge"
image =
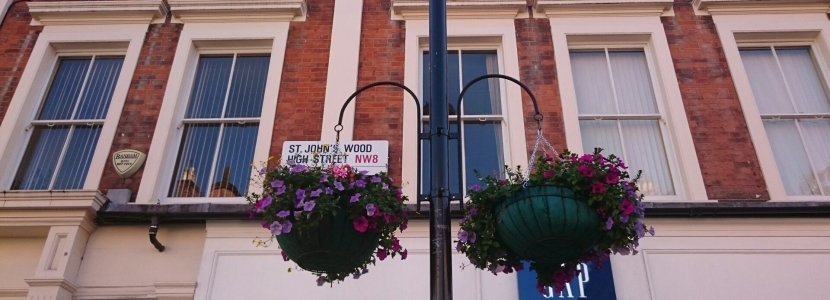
(193, 213)
(97, 12)
(202, 11)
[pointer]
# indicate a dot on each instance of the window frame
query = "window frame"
(639, 32)
(489, 34)
(786, 29)
(199, 39)
(183, 120)
(660, 116)
(54, 43)
(501, 118)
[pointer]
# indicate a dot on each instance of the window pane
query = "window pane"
(248, 87)
(592, 83)
(453, 82)
(632, 82)
(209, 87)
(233, 166)
(766, 81)
(78, 156)
(644, 151)
(195, 160)
(484, 97)
(41, 157)
(803, 80)
(790, 157)
(100, 86)
(600, 134)
(426, 162)
(66, 86)
(817, 138)
(483, 150)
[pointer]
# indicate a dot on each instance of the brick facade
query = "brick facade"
(727, 157)
(728, 162)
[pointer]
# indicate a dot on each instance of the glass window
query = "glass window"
(482, 121)
(66, 130)
(618, 112)
(795, 111)
(220, 127)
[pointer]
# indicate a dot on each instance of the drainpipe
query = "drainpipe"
(154, 229)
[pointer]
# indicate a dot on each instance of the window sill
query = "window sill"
(52, 199)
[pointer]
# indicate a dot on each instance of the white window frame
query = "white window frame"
(68, 40)
(638, 32)
(485, 34)
(501, 118)
(210, 38)
(786, 29)
(4, 8)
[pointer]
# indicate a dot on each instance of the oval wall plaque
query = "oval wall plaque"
(127, 162)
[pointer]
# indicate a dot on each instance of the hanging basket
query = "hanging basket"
(333, 246)
(548, 224)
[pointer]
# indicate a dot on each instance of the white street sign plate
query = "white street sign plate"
(372, 156)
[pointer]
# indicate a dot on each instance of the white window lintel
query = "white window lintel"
(743, 7)
(581, 8)
(206, 11)
(97, 12)
(457, 9)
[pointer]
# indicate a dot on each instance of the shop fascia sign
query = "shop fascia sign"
(591, 283)
(371, 156)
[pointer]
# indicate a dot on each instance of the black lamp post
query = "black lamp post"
(439, 197)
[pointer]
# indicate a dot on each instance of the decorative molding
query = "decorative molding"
(52, 282)
(582, 8)
(209, 11)
(745, 7)
(175, 290)
(52, 199)
(97, 12)
(458, 9)
(11, 293)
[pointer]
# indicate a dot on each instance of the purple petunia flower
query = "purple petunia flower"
(308, 206)
(640, 229)
(475, 188)
(262, 171)
(458, 246)
(375, 179)
(609, 223)
(385, 186)
(339, 185)
(471, 237)
(473, 211)
(297, 169)
(463, 236)
(651, 230)
(298, 214)
(355, 198)
(370, 209)
(286, 227)
(329, 191)
(316, 193)
(283, 213)
(364, 172)
(360, 183)
(320, 281)
(624, 218)
(324, 178)
(281, 190)
(276, 228)
(264, 203)
(277, 183)
(300, 195)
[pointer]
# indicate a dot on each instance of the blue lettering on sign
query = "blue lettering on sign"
(591, 284)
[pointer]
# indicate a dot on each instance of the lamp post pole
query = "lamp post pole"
(439, 232)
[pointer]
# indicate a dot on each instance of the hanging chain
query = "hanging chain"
(545, 146)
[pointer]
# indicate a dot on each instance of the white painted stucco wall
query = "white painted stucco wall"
(122, 256)
(18, 260)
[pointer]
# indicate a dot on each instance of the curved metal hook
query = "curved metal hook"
(538, 117)
(339, 126)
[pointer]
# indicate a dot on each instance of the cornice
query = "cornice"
(461, 9)
(52, 282)
(51, 208)
(210, 11)
(581, 8)
(97, 12)
(743, 7)
(12, 293)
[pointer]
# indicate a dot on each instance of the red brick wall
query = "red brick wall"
(725, 151)
(143, 103)
(379, 111)
(17, 39)
(304, 74)
(538, 72)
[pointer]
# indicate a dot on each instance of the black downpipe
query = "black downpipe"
(154, 229)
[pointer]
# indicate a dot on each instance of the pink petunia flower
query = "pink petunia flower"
(360, 224)
(597, 188)
(627, 207)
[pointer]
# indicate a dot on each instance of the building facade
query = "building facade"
(724, 104)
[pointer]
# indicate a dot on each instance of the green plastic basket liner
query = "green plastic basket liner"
(548, 224)
(334, 246)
